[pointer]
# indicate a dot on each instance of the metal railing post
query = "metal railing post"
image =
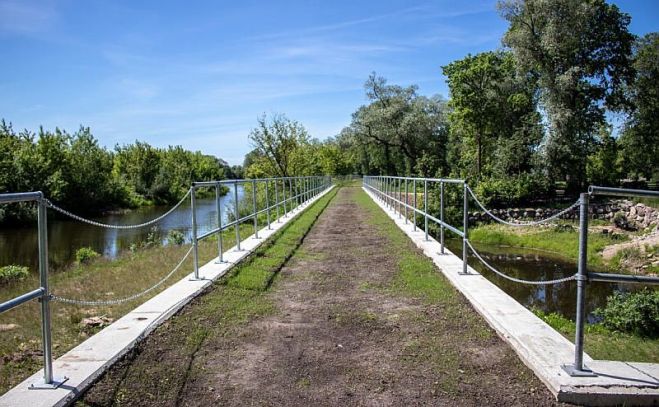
(49, 382)
(400, 199)
(236, 214)
(195, 243)
(290, 186)
(425, 207)
(465, 224)
(218, 207)
(414, 202)
(267, 204)
(406, 201)
(277, 201)
(579, 369)
(441, 216)
(254, 206)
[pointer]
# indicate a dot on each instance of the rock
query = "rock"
(605, 231)
(96, 321)
(8, 327)
(632, 211)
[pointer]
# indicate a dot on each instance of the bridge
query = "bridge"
(347, 327)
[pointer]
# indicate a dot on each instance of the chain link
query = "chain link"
(518, 280)
(107, 226)
(532, 223)
(125, 299)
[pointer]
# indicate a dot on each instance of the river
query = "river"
(18, 245)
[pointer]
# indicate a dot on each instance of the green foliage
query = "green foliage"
(494, 121)
(512, 190)
(580, 53)
(175, 237)
(75, 172)
(640, 139)
(636, 313)
(85, 255)
(12, 273)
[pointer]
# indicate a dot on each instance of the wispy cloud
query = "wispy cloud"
(24, 17)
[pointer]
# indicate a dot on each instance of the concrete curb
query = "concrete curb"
(87, 361)
(538, 345)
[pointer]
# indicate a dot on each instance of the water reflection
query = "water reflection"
(539, 265)
(18, 245)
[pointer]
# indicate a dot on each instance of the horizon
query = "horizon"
(200, 77)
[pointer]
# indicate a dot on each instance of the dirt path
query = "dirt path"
(341, 336)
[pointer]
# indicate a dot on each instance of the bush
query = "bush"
(636, 313)
(85, 254)
(174, 237)
(13, 273)
(621, 221)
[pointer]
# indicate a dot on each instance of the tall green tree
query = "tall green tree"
(639, 141)
(400, 131)
(579, 51)
(494, 120)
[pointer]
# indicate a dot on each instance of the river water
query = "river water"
(18, 245)
(532, 264)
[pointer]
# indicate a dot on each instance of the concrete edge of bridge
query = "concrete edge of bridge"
(538, 345)
(85, 363)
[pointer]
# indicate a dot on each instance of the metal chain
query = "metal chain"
(532, 223)
(518, 280)
(125, 299)
(105, 225)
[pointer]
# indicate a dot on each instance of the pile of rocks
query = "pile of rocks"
(638, 215)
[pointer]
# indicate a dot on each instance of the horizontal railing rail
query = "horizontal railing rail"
(280, 195)
(390, 190)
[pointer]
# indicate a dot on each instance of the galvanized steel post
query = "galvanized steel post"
(415, 208)
(578, 369)
(236, 214)
(267, 203)
(406, 200)
(399, 199)
(441, 216)
(277, 201)
(425, 207)
(195, 245)
(218, 208)
(465, 224)
(256, 214)
(45, 299)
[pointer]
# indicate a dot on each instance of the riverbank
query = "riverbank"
(101, 279)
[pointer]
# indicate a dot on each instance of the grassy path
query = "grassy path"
(356, 316)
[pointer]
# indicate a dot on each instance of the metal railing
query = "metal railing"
(390, 191)
(41, 293)
(578, 369)
(289, 193)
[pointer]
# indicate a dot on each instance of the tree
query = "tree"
(278, 144)
(579, 51)
(492, 109)
(640, 139)
(397, 128)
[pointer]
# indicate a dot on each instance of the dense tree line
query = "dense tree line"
(78, 174)
(521, 121)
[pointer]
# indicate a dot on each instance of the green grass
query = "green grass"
(563, 243)
(418, 277)
(603, 344)
(126, 275)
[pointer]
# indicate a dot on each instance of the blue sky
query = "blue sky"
(200, 73)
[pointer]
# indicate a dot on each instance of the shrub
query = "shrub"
(13, 273)
(153, 238)
(636, 313)
(175, 237)
(621, 221)
(85, 254)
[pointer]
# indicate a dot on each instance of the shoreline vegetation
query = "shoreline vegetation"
(75, 172)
